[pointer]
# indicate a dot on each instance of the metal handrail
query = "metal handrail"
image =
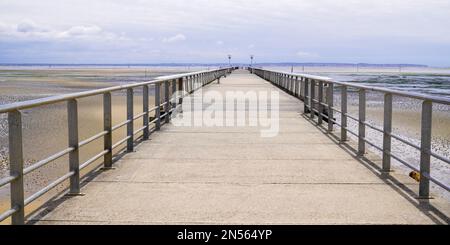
(440, 100)
(64, 97)
(187, 82)
(303, 86)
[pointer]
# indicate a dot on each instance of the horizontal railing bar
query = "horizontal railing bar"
(153, 108)
(350, 131)
(403, 162)
(89, 140)
(139, 130)
(351, 117)
(413, 95)
(437, 182)
(380, 149)
(8, 213)
(120, 142)
(47, 160)
(139, 115)
(153, 121)
(404, 141)
(120, 125)
(373, 145)
(442, 158)
(336, 110)
(48, 188)
(163, 115)
(93, 159)
(373, 127)
(338, 124)
(323, 115)
(64, 97)
(7, 180)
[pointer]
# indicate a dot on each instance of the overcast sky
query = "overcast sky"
(157, 31)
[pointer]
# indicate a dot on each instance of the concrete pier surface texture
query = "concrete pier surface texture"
(232, 175)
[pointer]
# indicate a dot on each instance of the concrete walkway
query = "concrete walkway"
(231, 175)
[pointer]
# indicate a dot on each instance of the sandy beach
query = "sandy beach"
(45, 129)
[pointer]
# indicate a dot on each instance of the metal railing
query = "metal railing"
(188, 82)
(319, 103)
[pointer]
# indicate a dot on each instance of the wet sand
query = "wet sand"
(406, 122)
(45, 129)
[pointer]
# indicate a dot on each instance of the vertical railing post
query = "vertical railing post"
(425, 149)
(181, 89)
(167, 101)
(289, 81)
(296, 87)
(186, 85)
(16, 166)
(343, 113)
(361, 122)
(130, 124)
(312, 85)
(278, 79)
(107, 126)
(292, 85)
(302, 88)
(158, 106)
(74, 156)
(146, 131)
(195, 79)
(189, 84)
(330, 95)
(320, 99)
(387, 129)
(306, 96)
(174, 94)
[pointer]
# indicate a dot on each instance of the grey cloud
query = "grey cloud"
(282, 30)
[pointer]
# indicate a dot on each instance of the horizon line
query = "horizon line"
(224, 63)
